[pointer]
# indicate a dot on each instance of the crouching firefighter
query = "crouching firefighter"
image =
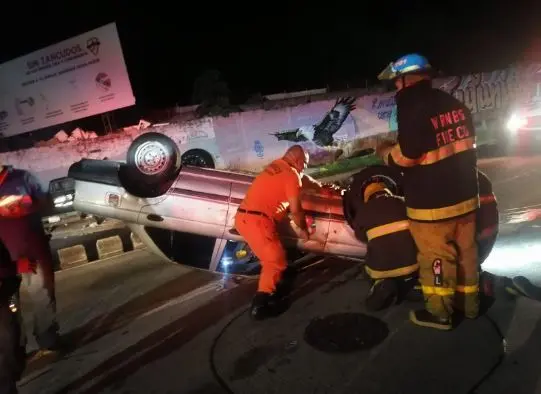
(266, 202)
(12, 339)
(391, 260)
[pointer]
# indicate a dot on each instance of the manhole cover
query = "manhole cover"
(345, 333)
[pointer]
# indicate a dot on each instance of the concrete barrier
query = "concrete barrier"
(136, 241)
(109, 247)
(71, 256)
(94, 247)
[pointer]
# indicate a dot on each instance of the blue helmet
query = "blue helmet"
(407, 64)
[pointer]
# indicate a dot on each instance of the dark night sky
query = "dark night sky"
(274, 46)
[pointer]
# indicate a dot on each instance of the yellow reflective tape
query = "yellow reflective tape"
(452, 211)
(373, 188)
(447, 151)
(400, 159)
(440, 291)
(467, 289)
(402, 271)
(386, 229)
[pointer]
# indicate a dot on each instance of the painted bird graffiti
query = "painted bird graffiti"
(322, 133)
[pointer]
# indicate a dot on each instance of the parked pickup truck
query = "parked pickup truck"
(61, 195)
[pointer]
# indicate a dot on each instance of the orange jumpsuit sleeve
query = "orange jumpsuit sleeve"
(293, 185)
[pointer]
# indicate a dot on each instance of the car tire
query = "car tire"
(198, 158)
(353, 196)
(152, 164)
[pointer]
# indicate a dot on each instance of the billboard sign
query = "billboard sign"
(79, 77)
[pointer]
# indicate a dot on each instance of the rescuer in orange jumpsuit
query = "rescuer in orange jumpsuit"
(273, 192)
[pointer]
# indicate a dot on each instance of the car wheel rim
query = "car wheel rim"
(151, 158)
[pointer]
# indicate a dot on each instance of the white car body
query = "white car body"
(204, 201)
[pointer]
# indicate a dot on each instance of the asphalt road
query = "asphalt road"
(139, 325)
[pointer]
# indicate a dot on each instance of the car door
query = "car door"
(196, 203)
(318, 215)
(341, 240)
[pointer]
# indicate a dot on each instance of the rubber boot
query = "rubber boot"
(424, 318)
(265, 305)
(381, 295)
(521, 286)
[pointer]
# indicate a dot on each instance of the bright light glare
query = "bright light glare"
(63, 199)
(517, 256)
(515, 122)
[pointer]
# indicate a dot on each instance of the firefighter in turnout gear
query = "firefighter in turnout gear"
(436, 152)
(391, 261)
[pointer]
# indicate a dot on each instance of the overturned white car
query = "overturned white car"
(157, 198)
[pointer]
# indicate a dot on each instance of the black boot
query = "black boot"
(265, 305)
(521, 286)
(286, 284)
(424, 318)
(410, 289)
(381, 295)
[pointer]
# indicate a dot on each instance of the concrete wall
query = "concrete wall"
(50, 162)
(245, 139)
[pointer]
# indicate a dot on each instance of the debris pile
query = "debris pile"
(79, 134)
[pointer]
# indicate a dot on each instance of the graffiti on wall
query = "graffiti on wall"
(484, 91)
(383, 107)
(322, 133)
(496, 90)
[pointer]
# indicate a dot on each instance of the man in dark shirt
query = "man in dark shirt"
(21, 201)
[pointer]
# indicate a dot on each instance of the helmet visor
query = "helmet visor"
(388, 74)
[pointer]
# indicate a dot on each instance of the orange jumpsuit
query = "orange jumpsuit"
(266, 202)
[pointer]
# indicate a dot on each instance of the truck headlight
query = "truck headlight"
(60, 200)
(515, 122)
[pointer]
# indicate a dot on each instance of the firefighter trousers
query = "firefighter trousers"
(448, 267)
(260, 233)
